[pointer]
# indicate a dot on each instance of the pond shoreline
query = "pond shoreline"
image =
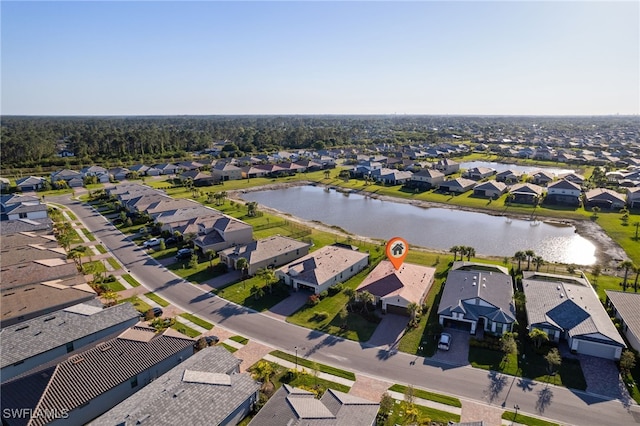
(608, 252)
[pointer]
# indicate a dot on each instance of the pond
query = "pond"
(436, 228)
(501, 167)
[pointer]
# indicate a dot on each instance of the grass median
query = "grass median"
(311, 365)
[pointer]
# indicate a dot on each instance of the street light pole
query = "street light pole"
(296, 348)
(517, 407)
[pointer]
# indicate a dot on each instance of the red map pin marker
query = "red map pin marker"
(397, 250)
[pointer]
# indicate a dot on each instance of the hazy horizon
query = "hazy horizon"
(501, 58)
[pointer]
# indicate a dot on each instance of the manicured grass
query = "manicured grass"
(302, 379)
(197, 275)
(431, 396)
(88, 234)
(240, 293)
(228, 347)
(398, 417)
(239, 339)
(115, 286)
(138, 304)
(197, 320)
(526, 420)
(93, 267)
(159, 300)
(94, 186)
(184, 329)
(132, 281)
(100, 248)
(310, 364)
(114, 263)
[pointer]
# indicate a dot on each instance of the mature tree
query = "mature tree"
(343, 315)
(351, 294)
(242, 265)
(596, 271)
(193, 261)
(627, 362)
(111, 297)
(263, 371)
(414, 310)
(257, 292)
(252, 208)
(327, 174)
(520, 299)
(635, 281)
(268, 275)
(470, 252)
(210, 255)
(530, 255)
(538, 261)
(366, 298)
(595, 210)
(189, 238)
(77, 253)
(554, 360)
(538, 337)
(386, 405)
(627, 265)
(520, 256)
(455, 250)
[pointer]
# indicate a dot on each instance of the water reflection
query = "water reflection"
(438, 228)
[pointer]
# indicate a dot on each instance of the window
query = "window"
(23, 215)
(69, 347)
(134, 381)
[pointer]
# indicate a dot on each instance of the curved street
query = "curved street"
(548, 401)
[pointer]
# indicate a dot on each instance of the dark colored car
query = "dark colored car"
(184, 253)
(211, 340)
(156, 312)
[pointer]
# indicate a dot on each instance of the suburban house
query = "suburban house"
(190, 165)
(199, 178)
(542, 177)
(573, 177)
(478, 297)
(140, 169)
(98, 171)
(526, 193)
(447, 166)
(394, 290)
(323, 268)
(35, 342)
(625, 308)
(72, 177)
(249, 172)
(478, 173)
(119, 173)
(563, 192)
(295, 406)
(14, 207)
(309, 165)
(390, 176)
(509, 176)
(633, 197)
(167, 169)
(206, 389)
(30, 183)
(458, 185)
(270, 252)
(4, 184)
(491, 189)
(223, 170)
(426, 179)
(605, 198)
(91, 382)
(568, 308)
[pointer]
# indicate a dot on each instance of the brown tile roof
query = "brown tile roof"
(411, 282)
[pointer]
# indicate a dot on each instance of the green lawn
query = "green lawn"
(229, 347)
(184, 329)
(132, 281)
(115, 286)
(159, 300)
(239, 339)
(197, 320)
(138, 304)
(526, 420)
(88, 234)
(93, 267)
(431, 396)
(197, 275)
(100, 248)
(310, 364)
(306, 380)
(425, 415)
(240, 293)
(114, 263)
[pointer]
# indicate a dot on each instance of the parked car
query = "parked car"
(152, 242)
(156, 312)
(211, 340)
(444, 342)
(171, 241)
(184, 253)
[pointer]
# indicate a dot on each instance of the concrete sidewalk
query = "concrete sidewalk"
(321, 375)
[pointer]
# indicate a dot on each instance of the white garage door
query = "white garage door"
(596, 349)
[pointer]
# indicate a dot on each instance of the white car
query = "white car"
(445, 341)
(152, 242)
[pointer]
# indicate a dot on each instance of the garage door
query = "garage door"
(596, 349)
(399, 310)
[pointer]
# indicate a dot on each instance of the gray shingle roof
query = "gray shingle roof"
(568, 303)
(81, 378)
(266, 248)
(39, 335)
(493, 287)
(170, 400)
(296, 407)
(628, 307)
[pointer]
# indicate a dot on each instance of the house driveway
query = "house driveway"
(389, 331)
(288, 306)
(603, 378)
(458, 353)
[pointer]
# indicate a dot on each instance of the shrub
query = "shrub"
(333, 290)
(323, 294)
(313, 300)
(320, 316)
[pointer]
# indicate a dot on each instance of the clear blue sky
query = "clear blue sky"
(148, 58)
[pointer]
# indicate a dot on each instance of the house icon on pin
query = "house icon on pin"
(397, 249)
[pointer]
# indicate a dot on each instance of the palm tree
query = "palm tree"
(470, 252)
(242, 265)
(210, 254)
(257, 292)
(538, 336)
(366, 298)
(76, 254)
(463, 252)
(530, 255)
(626, 265)
(414, 310)
(351, 294)
(268, 275)
(252, 208)
(520, 256)
(595, 210)
(596, 271)
(454, 250)
(538, 261)
(635, 281)
(327, 173)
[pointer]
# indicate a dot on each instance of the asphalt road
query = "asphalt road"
(556, 403)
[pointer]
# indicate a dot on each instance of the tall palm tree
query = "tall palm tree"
(413, 309)
(242, 265)
(351, 294)
(520, 256)
(252, 208)
(626, 265)
(77, 253)
(210, 254)
(366, 298)
(530, 255)
(268, 275)
(635, 282)
(538, 261)
(454, 250)
(470, 252)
